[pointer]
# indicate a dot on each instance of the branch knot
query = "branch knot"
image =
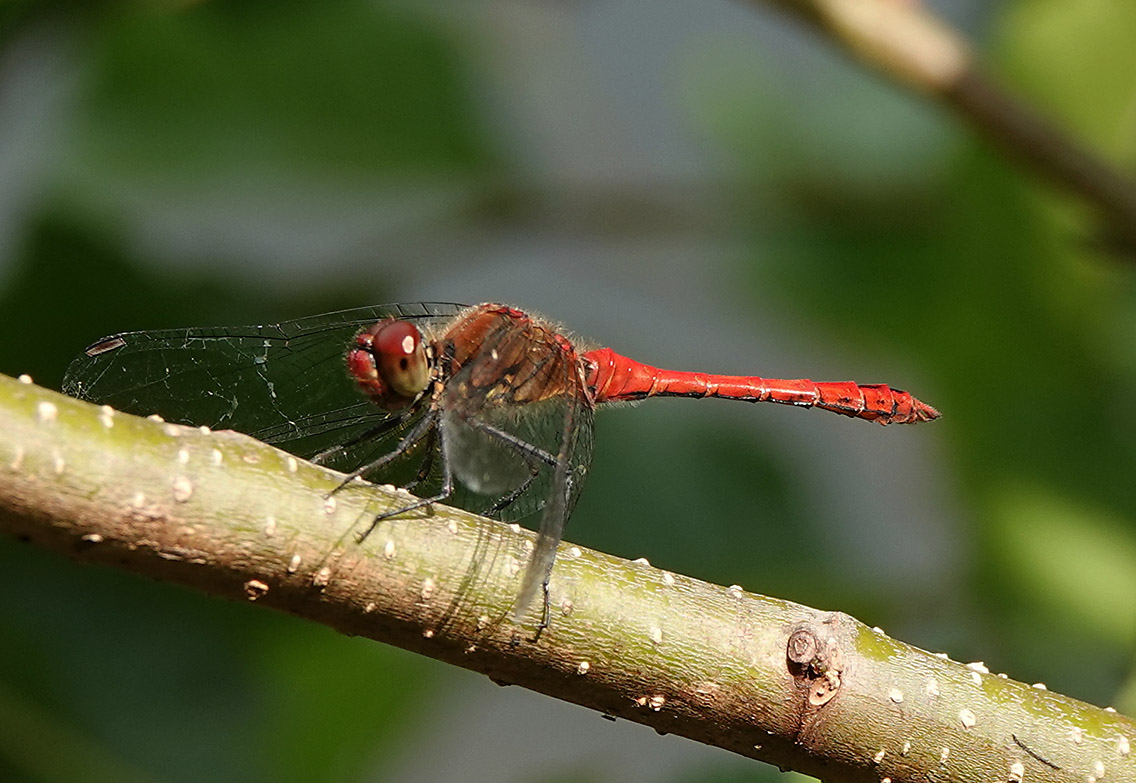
(815, 662)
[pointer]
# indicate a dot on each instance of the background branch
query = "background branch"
(905, 42)
(813, 691)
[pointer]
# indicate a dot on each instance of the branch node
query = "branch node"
(815, 662)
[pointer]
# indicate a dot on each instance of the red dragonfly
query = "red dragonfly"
(486, 407)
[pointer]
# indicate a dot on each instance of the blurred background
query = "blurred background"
(699, 185)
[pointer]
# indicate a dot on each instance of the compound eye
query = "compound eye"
(400, 357)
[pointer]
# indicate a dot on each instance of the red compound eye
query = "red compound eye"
(400, 357)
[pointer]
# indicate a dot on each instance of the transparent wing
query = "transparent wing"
(284, 383)
(517, 426)
(505, 464)
(566, 481)
(516, 464)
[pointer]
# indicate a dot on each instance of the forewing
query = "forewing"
(284, 383)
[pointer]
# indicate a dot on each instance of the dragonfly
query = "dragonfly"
(486, 407)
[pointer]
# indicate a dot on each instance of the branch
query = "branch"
(903, 40)
(813, 691)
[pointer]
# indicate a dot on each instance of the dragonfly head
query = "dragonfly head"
(390, 364)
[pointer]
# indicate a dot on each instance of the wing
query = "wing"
(517, 424)
(567, 479)
(283, 383)
(533, 460)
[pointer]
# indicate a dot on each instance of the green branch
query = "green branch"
(904, 41)
(813, 691)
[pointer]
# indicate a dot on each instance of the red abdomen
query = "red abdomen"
(613, 377)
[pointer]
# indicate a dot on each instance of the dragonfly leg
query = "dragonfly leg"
(409, 441)
(545, 612)
(505, 501)
(532, 456)
(375, 432)
(445, 491)
(427, 465)
(517, 444)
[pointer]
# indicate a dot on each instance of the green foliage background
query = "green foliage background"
(872, 224)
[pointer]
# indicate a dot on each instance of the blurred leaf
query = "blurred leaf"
(1126, 698)
(1078, 61)
(346, 88)
(694, 467)
(332, 705)
(35, 745)
(1076, 561)
(74, 281)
